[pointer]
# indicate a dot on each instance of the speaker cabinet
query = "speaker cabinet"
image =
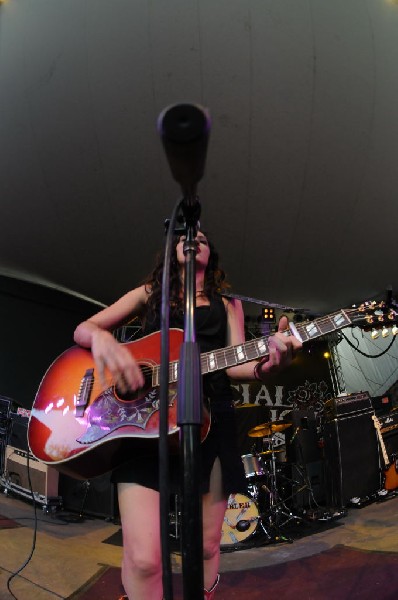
(95, 497)
(352, 459)
(389, 431)
(44, 478)
(302, 439)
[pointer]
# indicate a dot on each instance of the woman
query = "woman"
(219, 323)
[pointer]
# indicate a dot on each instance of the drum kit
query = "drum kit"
(265, 508)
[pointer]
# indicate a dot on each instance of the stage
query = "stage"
(352, 557)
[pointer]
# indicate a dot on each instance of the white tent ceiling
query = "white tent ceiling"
(368, 365)
(301, 179)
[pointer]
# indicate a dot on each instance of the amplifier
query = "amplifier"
(44, 478)
(5, 424)
(389, 432)
(347, 405)
(5, 406)
(388, 422)
(19, 431)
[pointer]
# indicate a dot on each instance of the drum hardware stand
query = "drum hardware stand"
(306, 484)
(272, 525)
(278, 506)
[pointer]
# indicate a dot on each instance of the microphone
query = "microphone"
(184, 130)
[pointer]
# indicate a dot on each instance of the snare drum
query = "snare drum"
(253, 465)
(240, 520)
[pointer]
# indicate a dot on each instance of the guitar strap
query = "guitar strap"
(264, 303)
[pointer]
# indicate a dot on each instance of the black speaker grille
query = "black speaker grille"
(352, 458)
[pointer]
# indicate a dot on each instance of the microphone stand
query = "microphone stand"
(189, 419)
(184, 130)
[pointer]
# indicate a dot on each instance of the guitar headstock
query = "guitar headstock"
(375, 316)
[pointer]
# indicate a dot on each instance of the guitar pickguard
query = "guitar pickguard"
(108, 413)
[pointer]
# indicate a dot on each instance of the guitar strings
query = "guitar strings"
(251, 345)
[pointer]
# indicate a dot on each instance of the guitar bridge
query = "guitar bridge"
(83, 396)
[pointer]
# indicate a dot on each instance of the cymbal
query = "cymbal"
(268, 429)
(246, 405)
(268, 452)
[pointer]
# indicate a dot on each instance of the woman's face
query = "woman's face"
(203, 250)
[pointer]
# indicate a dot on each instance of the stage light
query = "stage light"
(326, 355)
(384, 332)
(268, 314)
(375, 334)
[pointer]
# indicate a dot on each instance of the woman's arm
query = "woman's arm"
(111, 317)
(95, 333)
(282, 348)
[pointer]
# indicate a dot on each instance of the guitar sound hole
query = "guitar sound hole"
(129, 395)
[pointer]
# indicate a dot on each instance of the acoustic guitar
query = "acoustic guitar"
(85, 431)
(390, 470)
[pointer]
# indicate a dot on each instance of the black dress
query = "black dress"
(221, 441)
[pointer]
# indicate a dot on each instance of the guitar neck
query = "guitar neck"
(259, 347)
(377, 425)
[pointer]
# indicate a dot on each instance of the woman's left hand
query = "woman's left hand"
(282, 349)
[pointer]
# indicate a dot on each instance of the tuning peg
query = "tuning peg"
(384, 332)
(394, 329)
(375, 334)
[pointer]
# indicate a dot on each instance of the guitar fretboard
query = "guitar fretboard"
(259, 347)
(377, 425)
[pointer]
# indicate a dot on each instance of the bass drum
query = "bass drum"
(240, 521)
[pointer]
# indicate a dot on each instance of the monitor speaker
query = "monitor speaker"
(44, 478)
(352, 459)
(95, 497)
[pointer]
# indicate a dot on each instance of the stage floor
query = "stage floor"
(68, 554)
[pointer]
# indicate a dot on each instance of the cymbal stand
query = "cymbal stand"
(278, 508)
(254, 489)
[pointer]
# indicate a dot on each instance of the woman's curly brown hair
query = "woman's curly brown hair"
(214, 282)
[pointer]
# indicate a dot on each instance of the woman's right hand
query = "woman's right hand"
(109, 354)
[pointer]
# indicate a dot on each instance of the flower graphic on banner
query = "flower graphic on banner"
(310, 395)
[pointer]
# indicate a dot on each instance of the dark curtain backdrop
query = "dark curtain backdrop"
(36, 325)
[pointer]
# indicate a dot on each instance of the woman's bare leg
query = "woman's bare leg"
(142, 564)
(214, 507)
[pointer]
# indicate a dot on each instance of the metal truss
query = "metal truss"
(336, 372)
